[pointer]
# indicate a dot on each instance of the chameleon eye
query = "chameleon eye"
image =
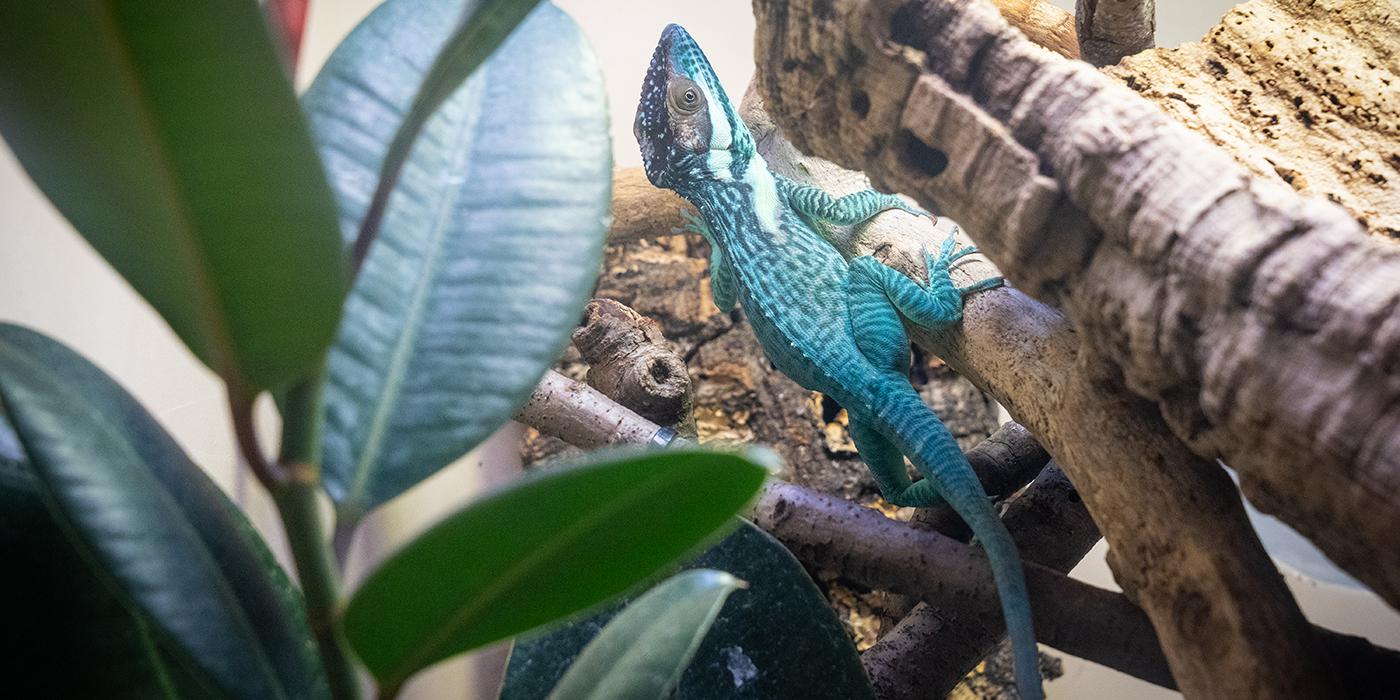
(685, 96)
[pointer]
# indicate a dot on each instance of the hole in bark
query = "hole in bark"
(917, 155)
(860, 103)
(659, 371)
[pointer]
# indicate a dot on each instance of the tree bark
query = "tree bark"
(1187, 554)
(1108, 30)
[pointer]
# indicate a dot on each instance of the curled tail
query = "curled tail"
(916, 430)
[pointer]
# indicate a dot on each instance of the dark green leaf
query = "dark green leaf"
(66, 634)
(154, 526)
(491, 244)
(548, 546)
(776, 639)
(168, 136)
(641, 653)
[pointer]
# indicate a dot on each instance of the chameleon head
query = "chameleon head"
(688, 130)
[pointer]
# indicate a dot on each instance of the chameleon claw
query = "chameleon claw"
(979, 285)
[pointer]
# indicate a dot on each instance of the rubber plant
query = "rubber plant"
(397, 258)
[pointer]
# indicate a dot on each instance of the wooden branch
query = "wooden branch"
(1006, 461)
(629, 361)
(1095, 624)
(1262, 325)
(1053, 529)
(640, 210)
(1108, 30)
(1043, 23)
(1075, 617)
(1190, 541)
(583, 417)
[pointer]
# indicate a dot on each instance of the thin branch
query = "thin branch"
(1072, 616)
(1052, 528)
(584, 417)
(1006, 461)
(1109, 30)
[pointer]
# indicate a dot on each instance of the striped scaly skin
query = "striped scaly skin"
(832, 326)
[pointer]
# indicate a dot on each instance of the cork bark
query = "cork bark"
(1256, 324)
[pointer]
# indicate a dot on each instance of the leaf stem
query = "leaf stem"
(300, 509)
(320, 585)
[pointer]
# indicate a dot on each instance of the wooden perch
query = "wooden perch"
(1108, 30)
(1262, 325)
(583, 417)
(1188, 547)
(1053, 529)
(629, 361)
(1105, 627)
(1075, 617)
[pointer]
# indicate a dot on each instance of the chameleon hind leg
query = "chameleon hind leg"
(880, 337)
(816, 203)
(935, 305)
(886, 464)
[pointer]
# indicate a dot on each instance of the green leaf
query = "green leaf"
(489, 250)
(550, 545)
(71, 636)
(154, 526)
(778, 638)
(641, 653)
(167, 134)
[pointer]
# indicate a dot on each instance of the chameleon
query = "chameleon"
(829, 324)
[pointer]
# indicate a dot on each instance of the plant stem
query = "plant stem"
(297, 503)
(320, 585)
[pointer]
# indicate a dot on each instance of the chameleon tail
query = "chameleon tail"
(916, 430)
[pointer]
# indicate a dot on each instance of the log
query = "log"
(1261, 324)
(1189, 547)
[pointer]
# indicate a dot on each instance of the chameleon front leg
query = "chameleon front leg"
(854, 208)
(936, 305)
(722, 286)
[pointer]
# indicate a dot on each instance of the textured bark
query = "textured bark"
(1070, 615)
(583, 416)
(1043, 23)
(630, 361)
(1301, 93)
(1182, 546)
(1262, 324)
(1108, 30)
(1052, 528)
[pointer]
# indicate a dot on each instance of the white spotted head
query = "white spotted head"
(688, 130)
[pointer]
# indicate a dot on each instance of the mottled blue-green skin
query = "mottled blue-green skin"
(829, 324)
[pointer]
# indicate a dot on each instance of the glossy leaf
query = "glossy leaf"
(777, 638)
(550, 545)
(168, 135)
(70, 636)
(489, 249)
(163, 535)
(481, 28)
(641, 653)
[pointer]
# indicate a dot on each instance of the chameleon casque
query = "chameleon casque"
(832, 326)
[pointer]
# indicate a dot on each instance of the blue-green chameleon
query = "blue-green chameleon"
(832, 326)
